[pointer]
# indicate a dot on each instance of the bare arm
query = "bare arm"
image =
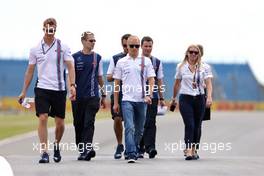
(116, 94)
(148, 99)
(151, 85)
(110, 78)
(27, 80)
(161, 90)
(101, 84)
(160, 85)
(176, 88)
(71, 79)
(209, 88)
(71, 71)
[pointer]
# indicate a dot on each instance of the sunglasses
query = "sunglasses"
(92, 41)
(134, 46)
(194, 52)
(50, 30)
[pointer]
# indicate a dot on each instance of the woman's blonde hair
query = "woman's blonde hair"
(198, 63)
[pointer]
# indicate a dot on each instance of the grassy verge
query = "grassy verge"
(12, 124)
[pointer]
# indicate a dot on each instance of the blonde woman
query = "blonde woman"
(191, 73)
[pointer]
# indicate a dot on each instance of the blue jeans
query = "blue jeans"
(134, 115)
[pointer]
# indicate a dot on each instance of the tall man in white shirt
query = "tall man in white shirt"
(50, 56)
(134, 71)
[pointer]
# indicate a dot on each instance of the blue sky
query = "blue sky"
(230, 30)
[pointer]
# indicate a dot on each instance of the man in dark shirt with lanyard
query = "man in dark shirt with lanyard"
(149, 137)
(89, 74)
(117, 117)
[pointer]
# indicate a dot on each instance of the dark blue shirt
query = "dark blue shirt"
(156, 63)
(86, 69)
(116, 58)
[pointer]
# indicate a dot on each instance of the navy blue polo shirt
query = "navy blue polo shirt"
(156, 63)
(86, 78)
(116, 58)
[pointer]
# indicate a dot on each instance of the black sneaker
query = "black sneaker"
(140, 155)
(90, 154)
(195, 155)
(131, 159)
(141, 152)
(44, 158)
(152, 153)
(119, 150)
(81, 156)
(126, 155)
(57, 155)
(188, 158)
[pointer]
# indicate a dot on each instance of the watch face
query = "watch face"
(74, 85)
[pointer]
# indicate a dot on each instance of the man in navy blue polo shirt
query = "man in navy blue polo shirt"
(117, 117)
(89, 75)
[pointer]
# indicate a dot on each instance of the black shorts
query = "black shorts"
(51, 102)
(119, 114)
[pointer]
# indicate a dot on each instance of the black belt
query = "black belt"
(191, 96)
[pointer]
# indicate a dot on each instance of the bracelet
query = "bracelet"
(74, 85)
(173, 99)
(149, 96)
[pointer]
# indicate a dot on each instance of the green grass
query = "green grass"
(12, 124)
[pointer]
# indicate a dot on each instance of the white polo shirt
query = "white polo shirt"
(49, 72)
(186, 77)
(129, 71)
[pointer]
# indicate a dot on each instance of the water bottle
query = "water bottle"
(173, 106)
(26, 102)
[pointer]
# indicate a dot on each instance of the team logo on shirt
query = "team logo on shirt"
(94, 63)
(79, 58)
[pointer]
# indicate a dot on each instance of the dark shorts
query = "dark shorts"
(51, 102)
(119, 114)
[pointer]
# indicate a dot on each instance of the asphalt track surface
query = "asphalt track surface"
(232, 144)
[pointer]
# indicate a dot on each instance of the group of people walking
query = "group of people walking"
(138, 90)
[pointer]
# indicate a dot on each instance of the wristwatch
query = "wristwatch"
(149, 96)
(173, 99)
(74, 85)
(161, 99)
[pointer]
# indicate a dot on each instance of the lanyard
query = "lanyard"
(142, 75)
(43, 50)
(196, 83)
